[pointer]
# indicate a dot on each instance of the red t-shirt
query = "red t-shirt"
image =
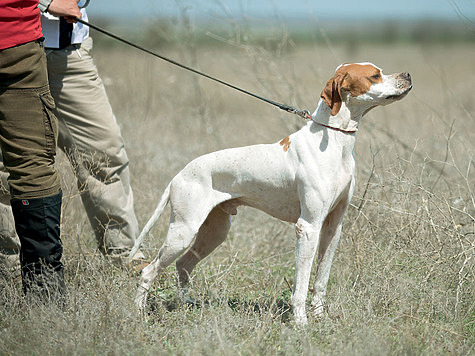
(19, 22)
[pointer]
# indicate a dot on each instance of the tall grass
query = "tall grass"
(402, 281)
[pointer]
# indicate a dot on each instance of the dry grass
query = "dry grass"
(402, 280)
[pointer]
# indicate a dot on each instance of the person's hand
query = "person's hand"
(67, 8)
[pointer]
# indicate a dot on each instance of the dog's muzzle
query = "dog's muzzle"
(403, 83)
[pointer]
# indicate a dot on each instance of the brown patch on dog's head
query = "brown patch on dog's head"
(354, 78)
(285, 143)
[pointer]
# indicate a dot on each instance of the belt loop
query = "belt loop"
(41, 42)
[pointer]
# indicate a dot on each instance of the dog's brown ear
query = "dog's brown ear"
(331, 94)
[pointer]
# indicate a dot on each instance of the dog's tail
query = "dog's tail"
(156, 214)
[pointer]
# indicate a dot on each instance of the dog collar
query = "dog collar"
(334, 128)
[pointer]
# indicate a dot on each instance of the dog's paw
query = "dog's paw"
(300, 319)
(318, 309)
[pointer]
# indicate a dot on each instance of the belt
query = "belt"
(71, 47)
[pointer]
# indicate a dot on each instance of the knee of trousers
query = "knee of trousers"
(105, 167)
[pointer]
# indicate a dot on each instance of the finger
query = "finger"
(70, 19)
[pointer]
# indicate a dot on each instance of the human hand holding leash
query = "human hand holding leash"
(67, 8)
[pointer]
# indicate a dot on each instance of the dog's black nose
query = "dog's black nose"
(405, 75)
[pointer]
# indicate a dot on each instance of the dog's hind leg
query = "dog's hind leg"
(211, 234)
(179, 237)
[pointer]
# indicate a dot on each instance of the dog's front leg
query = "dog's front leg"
(328, 244)
(307, 243)
(329, 238)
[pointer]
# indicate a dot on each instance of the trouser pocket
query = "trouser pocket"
(50, 122)
(28, 141)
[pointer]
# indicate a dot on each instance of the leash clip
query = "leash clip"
(304, 114)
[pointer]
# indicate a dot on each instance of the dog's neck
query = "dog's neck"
(347, 118)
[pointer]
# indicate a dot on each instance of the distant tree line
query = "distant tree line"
(160, 32)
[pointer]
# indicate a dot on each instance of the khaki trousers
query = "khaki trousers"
(91, 138)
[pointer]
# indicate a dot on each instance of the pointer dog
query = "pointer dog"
(306, 179)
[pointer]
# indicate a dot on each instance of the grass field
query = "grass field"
(402, 281)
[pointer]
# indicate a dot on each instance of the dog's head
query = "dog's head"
(364, 83)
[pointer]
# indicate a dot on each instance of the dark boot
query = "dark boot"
(37, 224)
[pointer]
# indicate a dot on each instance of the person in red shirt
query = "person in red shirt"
(28, 134)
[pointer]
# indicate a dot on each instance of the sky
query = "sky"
(463, 10)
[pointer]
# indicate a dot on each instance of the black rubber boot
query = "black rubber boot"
(37, 224)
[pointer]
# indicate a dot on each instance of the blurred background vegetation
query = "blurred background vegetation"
(168, 31)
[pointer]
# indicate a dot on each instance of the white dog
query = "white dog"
(307, 179)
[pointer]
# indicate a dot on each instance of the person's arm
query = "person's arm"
(43, 5)
(66, 8)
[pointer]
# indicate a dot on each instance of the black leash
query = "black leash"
(302, 113)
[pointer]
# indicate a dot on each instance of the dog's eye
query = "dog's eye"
(376, 76)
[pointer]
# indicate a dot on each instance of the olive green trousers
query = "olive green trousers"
(28, 136)
(28, 127)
